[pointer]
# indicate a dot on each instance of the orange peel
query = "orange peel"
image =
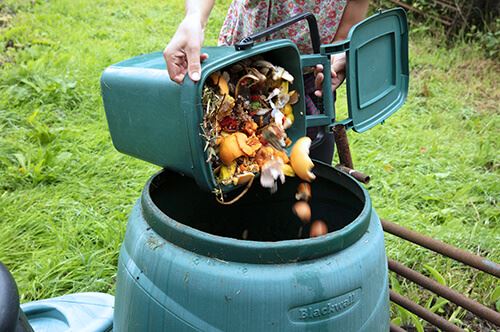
(241, 139)
(300, 160)
(229, 149)
(264, 154)
(254, 143)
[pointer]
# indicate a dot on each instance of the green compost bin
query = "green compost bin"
(157, 120)
(184, 266)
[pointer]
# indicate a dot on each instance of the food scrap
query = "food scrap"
(303, 192)
(303, 211)
(247, 110)
(299, 158)
(318, 228)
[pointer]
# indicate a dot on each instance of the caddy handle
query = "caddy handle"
(328, 116)
(334, 48)
(248, 41)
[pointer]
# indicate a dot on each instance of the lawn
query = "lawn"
(65, 192)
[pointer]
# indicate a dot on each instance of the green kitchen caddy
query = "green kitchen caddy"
(157, 120)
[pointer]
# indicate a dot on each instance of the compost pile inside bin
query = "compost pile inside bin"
(247, 110)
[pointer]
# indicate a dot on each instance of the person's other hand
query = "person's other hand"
(338, 74)
(182, 54)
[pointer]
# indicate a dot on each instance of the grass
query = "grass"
(65, 193)
(435, 163)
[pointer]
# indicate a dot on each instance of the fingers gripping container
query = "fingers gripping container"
(157, 120)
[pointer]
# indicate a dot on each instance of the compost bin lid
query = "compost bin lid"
(377, 68)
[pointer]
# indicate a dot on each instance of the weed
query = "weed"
(34, 90)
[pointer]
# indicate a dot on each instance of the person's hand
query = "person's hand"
(182, 54)
(338, 74)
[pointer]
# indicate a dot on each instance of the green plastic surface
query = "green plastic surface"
(157, 120)
(184, 269)
(377, 67)
(79, 312)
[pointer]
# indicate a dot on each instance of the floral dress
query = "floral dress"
(245, 17)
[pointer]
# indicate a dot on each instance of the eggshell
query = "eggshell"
(300, 161)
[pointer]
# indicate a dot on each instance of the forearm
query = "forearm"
(355, 11)
(199, 9)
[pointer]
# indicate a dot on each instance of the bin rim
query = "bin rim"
(260, 252)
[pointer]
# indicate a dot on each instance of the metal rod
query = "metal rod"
(342, 144)
(446, 292)
(395, 328)
(447, 250)
(420, 311)
(361, 177)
